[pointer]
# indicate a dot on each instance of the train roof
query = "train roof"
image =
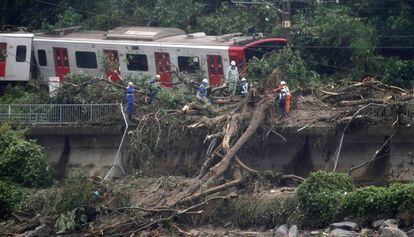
(147, 35)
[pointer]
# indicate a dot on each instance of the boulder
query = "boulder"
(346, 225)
(315, 232)
(390, 223)
(377, 224)
(282, 231)
(343, 233)
(410, 233)
(293, 231)
(392, 232)
(366, 232)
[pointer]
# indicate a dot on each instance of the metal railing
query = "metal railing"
(61, 114)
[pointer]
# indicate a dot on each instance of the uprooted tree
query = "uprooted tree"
(229, 127)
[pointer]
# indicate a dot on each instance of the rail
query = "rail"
(61, 114)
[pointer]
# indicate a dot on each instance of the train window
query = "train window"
(41, 53)
(21, 53)
(137, 62)
(188, 64)
(86, 60)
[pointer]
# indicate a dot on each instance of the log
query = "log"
(360, 102)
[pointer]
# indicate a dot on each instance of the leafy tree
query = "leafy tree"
(327, 40)
(287, 61)
(21, 161)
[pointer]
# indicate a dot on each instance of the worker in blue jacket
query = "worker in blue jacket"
(202, 92)
(130, 99)
(153, 88)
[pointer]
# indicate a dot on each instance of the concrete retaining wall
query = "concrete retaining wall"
(303, 152)
(93, 148)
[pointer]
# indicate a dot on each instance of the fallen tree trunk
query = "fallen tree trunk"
(360, 102)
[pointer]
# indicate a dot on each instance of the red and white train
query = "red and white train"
(135, 51)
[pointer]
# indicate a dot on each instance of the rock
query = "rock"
(346, 225)
(282, 231)
(342, 233)
(293, 231)
(390, 223)
(410, 233)
(377, 224)
(392, 232)
(315, 232)
(366, 232)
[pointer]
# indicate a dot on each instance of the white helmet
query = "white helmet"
(130, 83)
(158, 76)
(233, 63)
(205, 81)
(243, 79)
(283, 83)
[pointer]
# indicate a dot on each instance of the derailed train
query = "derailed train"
(127, 51)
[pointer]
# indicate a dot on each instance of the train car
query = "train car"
(134, 51)
(15, 56)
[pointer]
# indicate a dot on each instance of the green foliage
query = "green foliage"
(66, 222)
(28, 94)
(379, 202)
(76, 191)
(320, 195)
(177, 13)
(21, 161)
(71, 220)
(287, 61)
(264, 211)
(10, 197)
(322, 43)
(173, 98)
(73, 193)
(229, 18)
(67, 18)
(93, 93)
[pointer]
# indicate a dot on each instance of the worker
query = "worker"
(283, 97)
(202, 92)
(232, 75)
(153, 88)
(130, 99)
(244, 87)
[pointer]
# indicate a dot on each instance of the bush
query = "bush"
(29, 94)
(379, 202)
(21, 161)
(74, 192)
(320, 196)
(10, 197)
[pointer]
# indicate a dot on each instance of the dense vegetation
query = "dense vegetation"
(324, 198)
(22, 166)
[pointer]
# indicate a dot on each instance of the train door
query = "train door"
(113, 70)
(163, 64)
(215, 69)
(3, 56)
(61, 62)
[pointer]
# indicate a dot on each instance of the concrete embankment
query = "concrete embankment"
(93, 148)
(307, 150)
